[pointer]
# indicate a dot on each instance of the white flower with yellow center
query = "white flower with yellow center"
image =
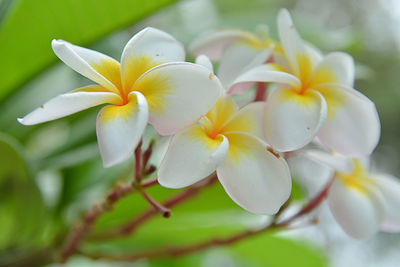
(229, 141)
(314, 98)
(361, 202)
(149, 85)
(236, 50)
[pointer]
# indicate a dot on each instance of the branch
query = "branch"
(179, 251)
(175, 200)
(166, 213)
(260, 92)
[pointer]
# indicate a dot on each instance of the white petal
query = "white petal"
(253, 177)
(214, 43)
(353, 127)
(178, 94)
(144, 50)
(311, 175)
(291, 41)
(390, 224)
(358, 213)
(204, 61)
(264, 73)
(336, 162)
(390, 188)
(191, 156)
(69, 103)
(293, 120)
(83, 61)
(239, 58)
(341, 67)
(119, 129)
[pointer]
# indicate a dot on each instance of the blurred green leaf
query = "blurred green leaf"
(22, 212)
(29, 26)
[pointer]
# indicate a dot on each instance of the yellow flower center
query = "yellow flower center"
(135, 66)
(213, 123)
(358, 179)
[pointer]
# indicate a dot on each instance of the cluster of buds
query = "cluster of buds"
(312, 100)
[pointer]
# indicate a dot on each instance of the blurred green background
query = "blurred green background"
(51, 173)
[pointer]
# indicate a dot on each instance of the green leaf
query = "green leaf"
(29, 26)
(22, 211)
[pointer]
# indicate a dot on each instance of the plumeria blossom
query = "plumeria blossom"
(236, 50)
(314, 98)
(362, 202)
(150, 84)
(229, 141)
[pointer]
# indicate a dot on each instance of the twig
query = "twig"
(192, 191)
(260, 91)
(166, 213)
(138, 162)
(311, 205)
(83, 227)
(147, 154)
(179, 251)
(175, 200)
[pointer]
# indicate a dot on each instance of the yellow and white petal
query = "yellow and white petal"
(352, 127)
(248, 119)
(213, 43)
(254, 177)
(292, 120)
(358, 213)
(336, 67)
(293, 45)
(264, 73)
(390, 189)
(178, 94)
(204, 61)
(69, 103)
(239, 58)
(191, 156)
(95, 66)
(119, 129)
(146, 49)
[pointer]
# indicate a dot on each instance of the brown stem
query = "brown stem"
(82, 228)
(138, 162)
(192, 191)
(311, 205)
(166, 213)
(149, 183)
(260, 91)
(175, 200)
(146, 155)
(178, 251)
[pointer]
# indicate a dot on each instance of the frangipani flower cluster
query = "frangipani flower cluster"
(313, 98)
(361, 201)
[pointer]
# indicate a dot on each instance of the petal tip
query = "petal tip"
(21, 120)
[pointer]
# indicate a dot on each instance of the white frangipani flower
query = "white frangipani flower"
(361, 202)
(236, 50)
(229, 141)
(150, 84)
(314, 98)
